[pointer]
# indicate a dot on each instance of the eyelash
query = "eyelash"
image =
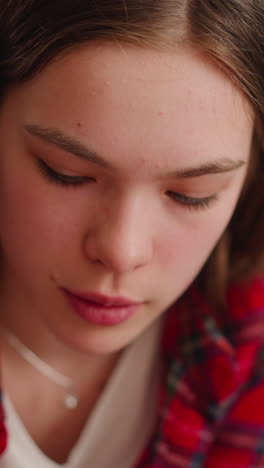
(75, 181)
(193, 203)
(61, 179)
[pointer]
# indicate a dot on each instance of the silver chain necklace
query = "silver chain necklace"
(70, 398)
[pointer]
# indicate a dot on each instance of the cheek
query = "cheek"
(33, 225)
(188, 246)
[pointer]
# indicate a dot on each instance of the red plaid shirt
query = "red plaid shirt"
(212, 397)
(211, 407)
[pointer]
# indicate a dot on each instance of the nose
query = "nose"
(121, 240)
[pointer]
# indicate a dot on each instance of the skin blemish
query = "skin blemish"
(160, 114)
(141, 162)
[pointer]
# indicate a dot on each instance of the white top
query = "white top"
(120, 424)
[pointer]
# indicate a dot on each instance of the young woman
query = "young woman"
(131, 214)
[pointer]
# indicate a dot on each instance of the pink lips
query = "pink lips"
(100, 309)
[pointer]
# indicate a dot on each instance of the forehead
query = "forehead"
(164, 102)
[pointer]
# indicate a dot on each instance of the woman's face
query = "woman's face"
(157, 145)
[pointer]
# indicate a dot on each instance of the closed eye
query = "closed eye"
(65, 180)
(61, 179)
(191, 202)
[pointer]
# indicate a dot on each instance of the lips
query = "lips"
(100, 309)
(105, 301)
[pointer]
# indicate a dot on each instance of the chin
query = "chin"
(95, 343)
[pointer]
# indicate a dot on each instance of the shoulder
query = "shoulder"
(192, 321)
(213, 386)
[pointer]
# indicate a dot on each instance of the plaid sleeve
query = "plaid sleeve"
(240, 440)
(212, 397)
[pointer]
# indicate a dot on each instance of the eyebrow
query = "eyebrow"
(71, 145)
(219, 166)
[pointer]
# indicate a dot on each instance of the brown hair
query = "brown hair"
(33, 32)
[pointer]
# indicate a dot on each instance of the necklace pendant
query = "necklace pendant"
(71, 401)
